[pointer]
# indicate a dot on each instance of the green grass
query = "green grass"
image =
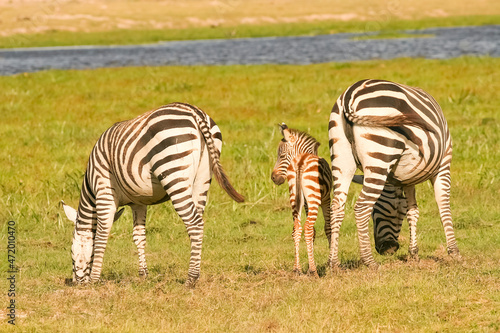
(386, 26)
(51, 119)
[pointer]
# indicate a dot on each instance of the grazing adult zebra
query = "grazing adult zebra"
(397, 135)
(165, 154)
(309, 183)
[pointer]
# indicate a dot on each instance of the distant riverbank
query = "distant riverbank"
(436, 43)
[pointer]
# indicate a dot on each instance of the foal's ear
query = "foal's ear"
(283, 127)
(70, 212)
(286, 132)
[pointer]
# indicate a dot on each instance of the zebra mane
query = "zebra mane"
(305, 137)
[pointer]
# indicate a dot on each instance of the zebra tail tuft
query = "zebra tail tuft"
(224, 182)
(217, 169)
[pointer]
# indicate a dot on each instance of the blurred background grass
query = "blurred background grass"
(30, 23)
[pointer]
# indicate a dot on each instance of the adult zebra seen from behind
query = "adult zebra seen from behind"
(398, 136)
(165, 154)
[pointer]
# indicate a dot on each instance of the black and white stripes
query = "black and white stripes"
(165, 154)
(397, 135)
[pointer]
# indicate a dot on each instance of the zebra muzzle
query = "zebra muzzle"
(277, 178)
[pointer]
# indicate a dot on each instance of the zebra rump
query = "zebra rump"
(398, 136)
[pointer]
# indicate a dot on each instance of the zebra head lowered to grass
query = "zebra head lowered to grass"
(398, 136)
(309, 184)
(165, 154)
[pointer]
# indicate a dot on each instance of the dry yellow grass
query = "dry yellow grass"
(36, 16)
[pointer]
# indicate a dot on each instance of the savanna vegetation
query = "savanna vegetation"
(50, 121)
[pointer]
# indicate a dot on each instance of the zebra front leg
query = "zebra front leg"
(106, 208)
(412, 216)
(139, 236)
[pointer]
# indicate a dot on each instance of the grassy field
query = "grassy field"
(31, 23)
(50, 121)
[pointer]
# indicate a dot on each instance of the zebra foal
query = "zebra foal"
(398, 136)
(165, 154)
(309, 183)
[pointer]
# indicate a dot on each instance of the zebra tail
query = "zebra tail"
(388, 121)
(217, 169)
(298, 185)
(224, 182)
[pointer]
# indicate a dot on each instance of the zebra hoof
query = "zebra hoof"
(143, 273)
(313, 274)
(191, 282)
(413, 257)
(454, 253)
(413, 254)
(333, 263)
(96, 281)
(296, 271)
(388, 247)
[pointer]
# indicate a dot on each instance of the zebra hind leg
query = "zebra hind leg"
(194, 225)
(139, 235)
(309, 234)
(297, 235)
(182, 199)
(442, 184)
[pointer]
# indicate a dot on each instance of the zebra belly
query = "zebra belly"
(411, 168)
(151, 193)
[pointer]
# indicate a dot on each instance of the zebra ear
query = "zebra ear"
(282, 127)
(286, 133)
(70, 212)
